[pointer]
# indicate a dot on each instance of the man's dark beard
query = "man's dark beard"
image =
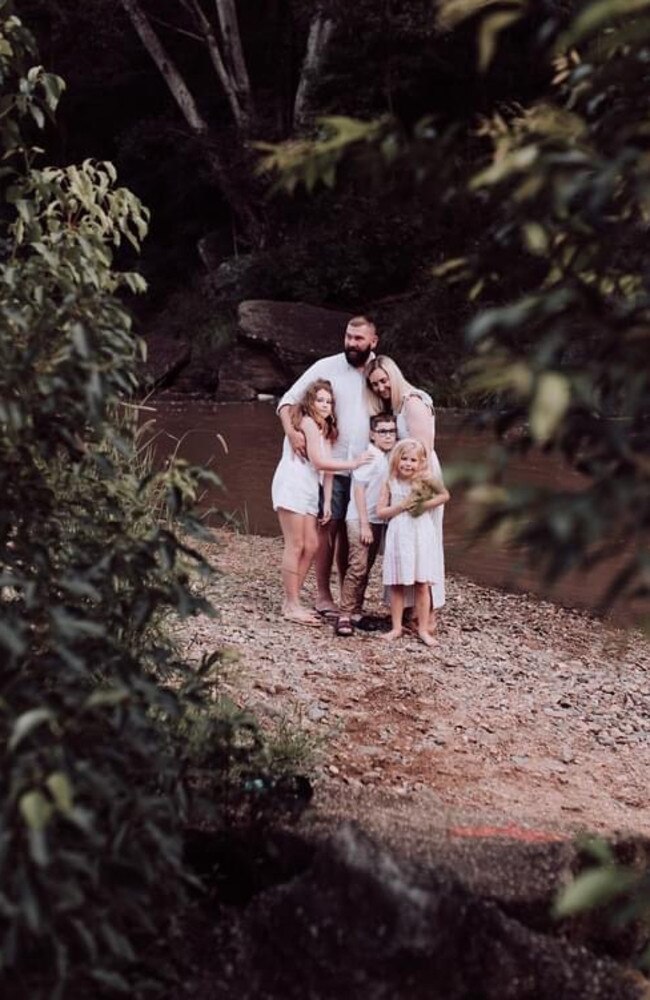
(355, 357)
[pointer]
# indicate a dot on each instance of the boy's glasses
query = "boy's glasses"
(386, 430)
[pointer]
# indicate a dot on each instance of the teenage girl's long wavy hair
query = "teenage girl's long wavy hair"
(329, 426)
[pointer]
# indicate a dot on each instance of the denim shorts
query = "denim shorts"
(340, 497)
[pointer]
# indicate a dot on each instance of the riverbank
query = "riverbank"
(526, 719)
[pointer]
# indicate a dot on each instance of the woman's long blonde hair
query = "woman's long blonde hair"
(306, 409)
(399, 387)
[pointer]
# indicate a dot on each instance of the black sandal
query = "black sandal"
(344, 626)
(327, 614)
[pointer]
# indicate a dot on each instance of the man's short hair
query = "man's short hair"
(381, 418)
(362, 320)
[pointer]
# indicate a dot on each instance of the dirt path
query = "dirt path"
(524, 716)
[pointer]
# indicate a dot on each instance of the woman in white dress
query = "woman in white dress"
(295, 493)
(407, 498)
(390, 392)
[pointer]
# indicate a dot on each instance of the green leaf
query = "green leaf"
(535, 238)
(117, 942)
(35, 809)
(595, 16)
(488, 36)
(550, 403)
(112, 980)
(11, 639)
(80, 339)
(37, 115)
(593, 889)
(61, 791)
(26, 723)
(107, 697)
(38, 847)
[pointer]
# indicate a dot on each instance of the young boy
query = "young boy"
(364, 528)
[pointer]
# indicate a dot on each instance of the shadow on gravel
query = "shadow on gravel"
(287, 917)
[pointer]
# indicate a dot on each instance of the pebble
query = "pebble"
(315, 713)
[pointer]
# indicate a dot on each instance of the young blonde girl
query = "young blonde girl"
(295, 492)
(409, 554)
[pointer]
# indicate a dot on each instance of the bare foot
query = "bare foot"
(395, 633)
(299, 615)
(426, 637)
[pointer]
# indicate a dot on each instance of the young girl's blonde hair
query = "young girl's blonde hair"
(424, 473)
(305, 408)
(406, 444)
(399, 387)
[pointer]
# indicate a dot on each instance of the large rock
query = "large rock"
(246, 372)
(296, 334)
(200, 376)
(361, 923)
(275, 342)
(166, 358)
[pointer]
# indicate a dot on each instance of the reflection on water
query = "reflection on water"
(251, 432)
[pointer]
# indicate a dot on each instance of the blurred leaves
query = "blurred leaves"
(549, 405)
(92, 799)
(565, 189)
(313, 161)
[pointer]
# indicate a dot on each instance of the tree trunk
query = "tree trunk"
(240, 113)
(240, 206)
(172, 77)
(234, 54)
(320, 32)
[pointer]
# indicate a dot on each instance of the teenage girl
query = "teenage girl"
(409, 555)
(295, 493)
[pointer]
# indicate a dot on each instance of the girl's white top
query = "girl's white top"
(296, 481)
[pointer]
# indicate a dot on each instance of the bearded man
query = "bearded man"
(346, 373)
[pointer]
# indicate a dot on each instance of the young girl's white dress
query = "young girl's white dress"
(410, 548)
(295, 482)
(437, 514)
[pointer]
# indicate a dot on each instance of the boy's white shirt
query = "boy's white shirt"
(371, 477)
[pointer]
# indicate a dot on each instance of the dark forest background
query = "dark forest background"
(218, 234)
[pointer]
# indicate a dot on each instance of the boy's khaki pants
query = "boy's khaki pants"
(361, 559)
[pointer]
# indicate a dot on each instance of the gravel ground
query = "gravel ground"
(525, 719)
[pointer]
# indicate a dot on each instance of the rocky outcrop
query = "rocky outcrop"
(165, 360)
(356, 920)
(246, 373)
(275, 342)
(297, 334)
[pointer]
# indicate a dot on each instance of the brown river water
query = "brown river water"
(242, 443)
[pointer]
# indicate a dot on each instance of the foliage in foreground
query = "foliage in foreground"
(100, 720)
